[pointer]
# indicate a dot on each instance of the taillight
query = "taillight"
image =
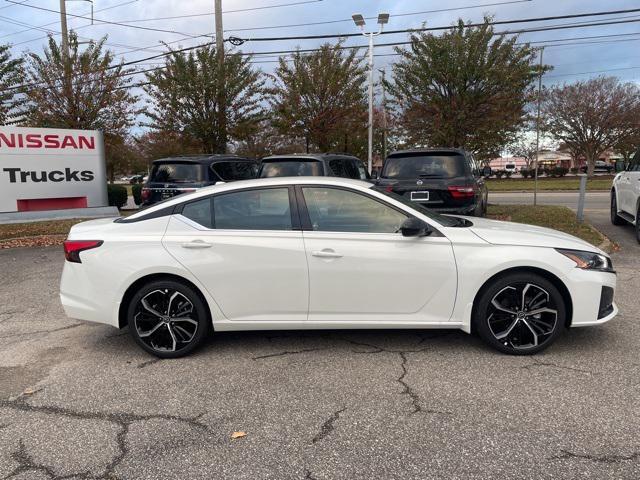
(72, 248)
(461, 192)
(146, 193)
(388, 188)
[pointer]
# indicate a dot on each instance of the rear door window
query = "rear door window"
(232, 170)
(176, 172)
(291, 168)
(256, 209)
(424, 165)
(199, 212)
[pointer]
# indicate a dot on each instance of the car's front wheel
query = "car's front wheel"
(168, 318)
(615, 218)
(520, 313)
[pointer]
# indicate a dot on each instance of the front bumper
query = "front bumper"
(592, 297)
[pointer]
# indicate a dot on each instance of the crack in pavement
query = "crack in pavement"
(406, 388)
(308, 475)
(328, 426)
(565, 454)
(538, 363)
(42, 331)
(149, 362)
(288, 352)
(122, 420)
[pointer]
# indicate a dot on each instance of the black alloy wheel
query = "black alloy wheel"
(168, 319)
(520, 314)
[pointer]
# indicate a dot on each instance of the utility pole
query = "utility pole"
(384, 118)
(222, 110)
(535, 181)
(63, 28)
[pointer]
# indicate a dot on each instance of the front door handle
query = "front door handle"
(326, 253)
(196, 244)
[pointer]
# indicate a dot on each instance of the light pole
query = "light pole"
(358, 19)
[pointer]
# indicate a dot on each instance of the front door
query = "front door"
(362, 269)
(243, 247)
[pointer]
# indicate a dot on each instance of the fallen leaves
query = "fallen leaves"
(235, 435)
(36, 241)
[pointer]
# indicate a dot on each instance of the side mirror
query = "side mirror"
(414, 227)
(486, 171)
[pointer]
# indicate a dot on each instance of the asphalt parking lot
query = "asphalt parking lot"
(81, 401)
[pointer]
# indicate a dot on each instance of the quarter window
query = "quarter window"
(199, 211)
(259, 209)
(337, 210)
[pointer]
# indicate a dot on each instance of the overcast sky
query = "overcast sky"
(618, 58)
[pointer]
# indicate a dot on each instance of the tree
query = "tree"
(184, 97)
(592, 116)
(87, 90)
(11, 76)
(320, 97)
(629, 145)
(525, 148)
(467, 88)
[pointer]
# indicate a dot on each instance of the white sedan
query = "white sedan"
(322, 252)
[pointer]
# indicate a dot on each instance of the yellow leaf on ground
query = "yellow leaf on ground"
(238, 434)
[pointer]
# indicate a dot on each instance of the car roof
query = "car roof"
(307, 156)
(203, 158)
(254, 183)
(414, 151)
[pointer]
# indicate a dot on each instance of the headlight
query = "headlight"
(588, 260)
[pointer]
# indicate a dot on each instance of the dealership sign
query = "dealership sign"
(50, 169)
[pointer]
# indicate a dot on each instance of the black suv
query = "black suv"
(447, 180)
(172, 176)
(313, 165)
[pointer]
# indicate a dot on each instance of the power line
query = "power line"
(469, 25)
(593, 71)
(204, 14)
(111, 23)
(33, 27)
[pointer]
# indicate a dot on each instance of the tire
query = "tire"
(638, 224)
(505, 324)
(615, 218)
(168, 319)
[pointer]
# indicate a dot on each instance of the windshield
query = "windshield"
(441, 219)
(185, 172)
(229, 171)
(424, 165)
(290, 168)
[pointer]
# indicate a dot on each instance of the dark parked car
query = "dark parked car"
(447, 180)
(599, 166)
(313, 165)
(172, 176)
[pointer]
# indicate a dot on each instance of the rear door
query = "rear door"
(632, 190)
(246, 247)
(362, 270)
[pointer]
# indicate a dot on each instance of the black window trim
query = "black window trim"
(293, 208)
(305, 219)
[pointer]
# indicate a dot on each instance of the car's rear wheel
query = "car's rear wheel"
(615, 218)
(638, 224)
(520, 314)
(168, 318)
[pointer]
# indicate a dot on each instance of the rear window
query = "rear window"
(510, 165)
(291, 168)
(177, 172)
(230, 171)
(424, 165)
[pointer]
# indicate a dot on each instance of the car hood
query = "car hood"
(510, 233)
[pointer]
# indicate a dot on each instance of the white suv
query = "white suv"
(625, 196)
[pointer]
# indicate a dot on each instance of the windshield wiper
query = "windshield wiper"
(429, 175)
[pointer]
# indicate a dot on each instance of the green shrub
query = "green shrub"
(499, 173)
(508, 173)
(559, 171)
(117, 195)
(136, 191)
(524, 172)
(575, 170)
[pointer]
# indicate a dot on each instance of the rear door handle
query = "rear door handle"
(196, 244)
(326, 253)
